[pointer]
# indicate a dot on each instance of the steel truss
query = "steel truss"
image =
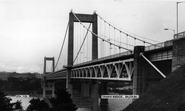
(118, 70)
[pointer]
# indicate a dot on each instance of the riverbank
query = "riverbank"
(30, 93)
(114, 104)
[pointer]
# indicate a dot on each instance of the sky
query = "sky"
(33, 29)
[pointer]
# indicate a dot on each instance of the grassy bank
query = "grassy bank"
(167, 95)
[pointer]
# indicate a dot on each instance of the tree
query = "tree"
(17, 105)
(14, 83)
(62, 101)
(37, 105)
(6, 105)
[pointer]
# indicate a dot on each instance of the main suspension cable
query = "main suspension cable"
(62, 46)
(99, 36)
(127, 33)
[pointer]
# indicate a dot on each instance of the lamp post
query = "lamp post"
(170, 29)
(177, 14)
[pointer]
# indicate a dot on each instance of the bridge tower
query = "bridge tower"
(139, 76)
(88, 18)
(47, 86)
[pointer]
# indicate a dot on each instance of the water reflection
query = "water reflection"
(114, 105)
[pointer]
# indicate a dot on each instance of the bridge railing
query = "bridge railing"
(166, 43)
(159, 45)
(179, 35)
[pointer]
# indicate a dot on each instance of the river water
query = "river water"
(114, 104)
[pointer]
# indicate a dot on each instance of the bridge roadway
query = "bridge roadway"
(121, 62)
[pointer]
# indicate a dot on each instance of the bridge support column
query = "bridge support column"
(48, 89)
(94, 95)
(69, 85)
(104, 91)
(139, 83)
(44, 87)
(85, 89)
(53, 89)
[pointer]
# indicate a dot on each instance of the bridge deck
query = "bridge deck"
(160, 51)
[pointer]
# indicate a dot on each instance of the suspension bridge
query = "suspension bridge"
(98, 52)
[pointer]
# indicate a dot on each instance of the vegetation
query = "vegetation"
(167, 95)
(6, 105)
(61, 102)
(20, 84)
(38, 105)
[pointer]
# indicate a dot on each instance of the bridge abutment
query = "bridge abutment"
(178, 58)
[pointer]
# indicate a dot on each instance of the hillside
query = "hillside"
(5, 75)
(167, 95)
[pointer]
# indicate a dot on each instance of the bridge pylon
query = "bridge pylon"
(139, 76)
(48, 86)
(88, 18)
